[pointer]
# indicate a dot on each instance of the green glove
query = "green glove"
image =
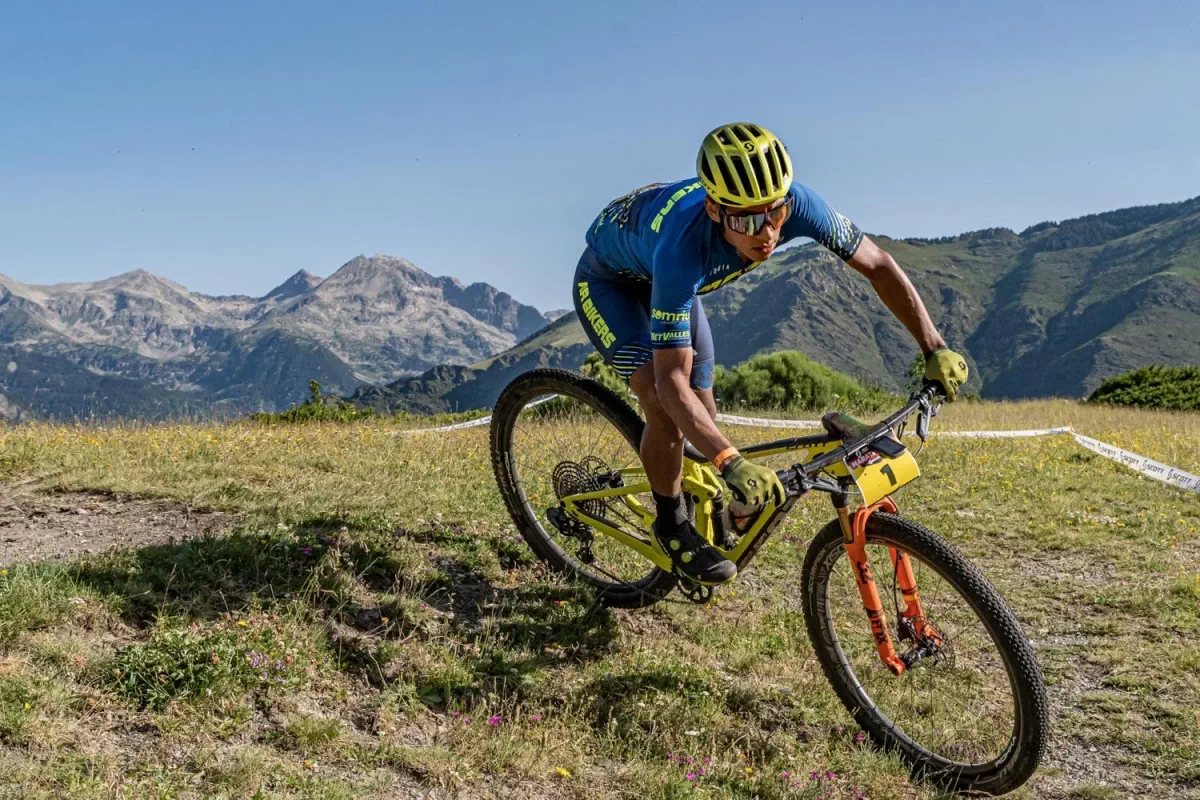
(947, 368)
(752, 484)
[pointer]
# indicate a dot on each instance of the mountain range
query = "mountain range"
(1052, 310)
(138, 345)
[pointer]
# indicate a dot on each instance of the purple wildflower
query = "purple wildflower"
(785, 774)
(494, 720)
(456, 713)
(535, 718)
(691, 776)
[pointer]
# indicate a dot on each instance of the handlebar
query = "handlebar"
(921, 401)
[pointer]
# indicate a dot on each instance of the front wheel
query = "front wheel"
(971, 712)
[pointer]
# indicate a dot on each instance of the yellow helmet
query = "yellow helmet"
(742, 164)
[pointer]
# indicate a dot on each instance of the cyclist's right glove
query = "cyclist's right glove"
(752, 484)
(947, 368)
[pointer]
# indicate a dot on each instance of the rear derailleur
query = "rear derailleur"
(568, 526)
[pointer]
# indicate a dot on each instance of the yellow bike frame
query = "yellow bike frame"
(700, 481)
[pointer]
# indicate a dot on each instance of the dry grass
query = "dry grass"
(386, 568)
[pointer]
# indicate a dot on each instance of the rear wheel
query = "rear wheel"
(554, 433)
(970, 713)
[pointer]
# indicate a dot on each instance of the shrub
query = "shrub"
(791, 381)
(196, 664)
(595, 368)
(1176, 388)
(316, 409)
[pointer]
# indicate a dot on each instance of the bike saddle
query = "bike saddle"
(847, 428)
(844, 426)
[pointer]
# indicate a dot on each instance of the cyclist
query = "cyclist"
(653, 252)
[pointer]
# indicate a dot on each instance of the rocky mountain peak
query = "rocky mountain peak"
(303, 281)
(378, 269)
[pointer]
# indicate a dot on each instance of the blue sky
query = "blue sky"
(226, 145)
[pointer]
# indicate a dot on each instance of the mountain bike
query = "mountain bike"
(920, 648)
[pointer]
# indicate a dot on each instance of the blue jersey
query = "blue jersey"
(661, 235)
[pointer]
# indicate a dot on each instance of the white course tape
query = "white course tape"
(762, 422)
(458, 426)
(1146, 466)
(1002, 434)
(475, 423)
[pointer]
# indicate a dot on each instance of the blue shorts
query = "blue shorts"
(618, 323)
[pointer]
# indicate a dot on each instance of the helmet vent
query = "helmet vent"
(741, 133)
(773, 163)
(726, 175)
(706, 170)
(781, 157)
(754, 129)
(746, 186)
(760, 172)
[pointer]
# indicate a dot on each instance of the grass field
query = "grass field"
(362, 620)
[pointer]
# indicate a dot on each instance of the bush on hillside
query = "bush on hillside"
(316, 409)
(1176, 388)
(595, 368)
(791, 381)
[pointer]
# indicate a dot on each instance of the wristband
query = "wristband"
(724, 457)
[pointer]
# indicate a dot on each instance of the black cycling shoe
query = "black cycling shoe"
(694, 557)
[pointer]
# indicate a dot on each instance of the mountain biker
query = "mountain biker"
(654, 251)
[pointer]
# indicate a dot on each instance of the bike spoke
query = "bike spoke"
(569, 432)
(957, 704)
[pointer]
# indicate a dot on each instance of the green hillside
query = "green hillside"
(1053, 310)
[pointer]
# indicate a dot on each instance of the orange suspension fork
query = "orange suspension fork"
(854, 533)
(912, 598)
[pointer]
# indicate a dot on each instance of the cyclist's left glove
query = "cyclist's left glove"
(947, 368)
(751, 483)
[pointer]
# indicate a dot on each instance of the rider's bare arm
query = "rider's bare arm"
(672, 368)
(897, 293)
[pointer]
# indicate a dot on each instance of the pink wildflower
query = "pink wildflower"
(691, 776)
(535, 718)
(494, 721)
(858, 737)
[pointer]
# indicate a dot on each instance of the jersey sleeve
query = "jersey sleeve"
(816, 219)
(672, 288)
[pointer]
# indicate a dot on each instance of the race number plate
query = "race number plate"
(878, 475)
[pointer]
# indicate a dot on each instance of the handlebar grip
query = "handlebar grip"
(931, 389)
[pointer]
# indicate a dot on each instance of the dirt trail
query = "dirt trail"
(41, 527)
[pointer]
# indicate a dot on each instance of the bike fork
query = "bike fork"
(854, 534)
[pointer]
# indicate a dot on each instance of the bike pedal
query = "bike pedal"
(698, 593)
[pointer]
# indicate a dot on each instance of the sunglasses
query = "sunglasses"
(752, 222)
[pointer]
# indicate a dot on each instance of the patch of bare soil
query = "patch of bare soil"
(41, 527)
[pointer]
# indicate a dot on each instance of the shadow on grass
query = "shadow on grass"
(368, 594)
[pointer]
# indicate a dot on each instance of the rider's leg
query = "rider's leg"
(706, 397)
(662, 441)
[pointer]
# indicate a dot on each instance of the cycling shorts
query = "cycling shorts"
(615, 313)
